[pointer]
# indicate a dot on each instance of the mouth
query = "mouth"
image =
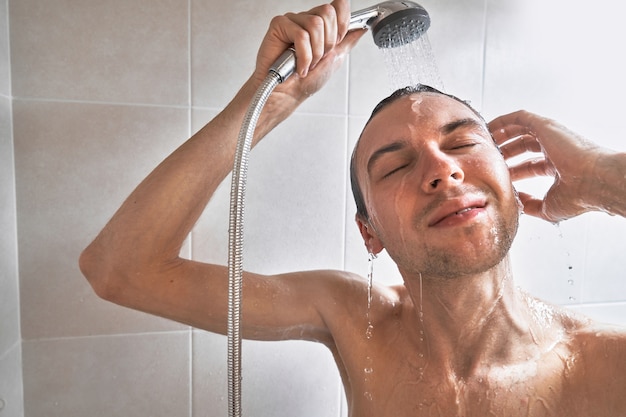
(457, 213)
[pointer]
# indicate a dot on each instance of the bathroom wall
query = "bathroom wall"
(102, 91)
(11, 402)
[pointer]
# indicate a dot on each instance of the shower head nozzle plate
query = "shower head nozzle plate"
(399, 26)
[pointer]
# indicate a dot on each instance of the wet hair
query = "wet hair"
(361, 210)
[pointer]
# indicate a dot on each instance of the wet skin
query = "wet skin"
(459, 339)
(456, 339)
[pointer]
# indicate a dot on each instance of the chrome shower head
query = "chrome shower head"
(393, 23)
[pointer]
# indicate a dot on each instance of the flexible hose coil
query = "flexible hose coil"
(388, 14)
(235, 240)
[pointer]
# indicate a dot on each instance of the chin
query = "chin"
(477, 255)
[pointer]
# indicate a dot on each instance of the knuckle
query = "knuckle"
(279, 20)
(315, 23)
(327, 10)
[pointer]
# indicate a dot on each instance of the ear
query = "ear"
(370, 237)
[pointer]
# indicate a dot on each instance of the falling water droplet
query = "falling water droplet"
(370, 279)
(411, 63)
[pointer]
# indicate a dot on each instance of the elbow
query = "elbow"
(97, 268)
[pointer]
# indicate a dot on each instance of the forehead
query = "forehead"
(418, 111)
(416, 114)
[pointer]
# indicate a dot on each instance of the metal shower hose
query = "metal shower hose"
(235, 239)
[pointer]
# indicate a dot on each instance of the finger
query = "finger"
(533, 206)
(342, 10)
(505, 133)
(537, 167)
(328, 14)
(349, 41)
(306, 32)
(520, 118)
(320, 23)
(519, 145)
(289, 33)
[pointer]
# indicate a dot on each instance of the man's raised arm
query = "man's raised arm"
(135, 262)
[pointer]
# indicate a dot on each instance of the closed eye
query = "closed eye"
(393, 171)
(465, 145)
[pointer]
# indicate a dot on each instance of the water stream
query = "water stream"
(411, 64)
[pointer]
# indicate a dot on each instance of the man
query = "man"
(457, 338)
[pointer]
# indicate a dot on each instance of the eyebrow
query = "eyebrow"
(461, 123)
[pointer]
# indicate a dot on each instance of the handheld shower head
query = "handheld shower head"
(393, 23)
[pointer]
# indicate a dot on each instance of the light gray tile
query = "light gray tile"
(279, 378)
(136, 375)
(11, 393)
(9, 295)
(610, 313)
(225, 38)
(75, 164)
(294, 201)
(535, 61)
(548, 260)
(115, 51)
(604, 262)
(5, 62)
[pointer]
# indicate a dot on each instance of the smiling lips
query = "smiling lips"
(455, 212)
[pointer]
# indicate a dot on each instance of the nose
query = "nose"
(441, 171)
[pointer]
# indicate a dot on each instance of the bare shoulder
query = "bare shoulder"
(346, 299)
(595, 338)
(599, 357)
(347, 290)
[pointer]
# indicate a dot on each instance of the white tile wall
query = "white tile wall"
(11, 396)
(113, 51)
(126, 375)
(102, 91)
(11, 387)
(76, 162)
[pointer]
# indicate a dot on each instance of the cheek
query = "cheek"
(393, 208)
(493, 169)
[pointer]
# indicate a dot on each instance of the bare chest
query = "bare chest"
(397, 382)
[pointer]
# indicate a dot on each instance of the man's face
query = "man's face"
(437, 190)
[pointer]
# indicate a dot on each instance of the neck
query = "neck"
(472, 319)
